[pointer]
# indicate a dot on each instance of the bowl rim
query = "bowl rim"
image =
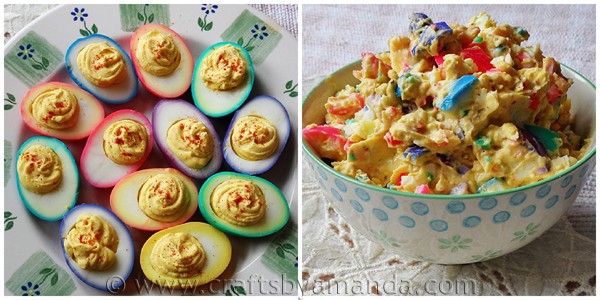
(306, 150)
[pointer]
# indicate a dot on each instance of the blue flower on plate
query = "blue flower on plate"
(260, 33)
(30, 289)
(79, 14)
(209, 8)
(25, 51)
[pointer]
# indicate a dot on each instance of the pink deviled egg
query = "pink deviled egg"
(117, 147)
(61, 110)
(162, 60)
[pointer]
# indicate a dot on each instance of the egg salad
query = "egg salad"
(452, 109)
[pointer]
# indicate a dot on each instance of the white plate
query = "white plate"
(275, 56)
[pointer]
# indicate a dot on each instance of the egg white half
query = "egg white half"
(270, 109)
(118, 93)
(53, 205)
(276, 214)
(124, 199)
(221, 103)
(99, 170)
(114, 277)
(167, 112)
(217, 249)
(171, 85)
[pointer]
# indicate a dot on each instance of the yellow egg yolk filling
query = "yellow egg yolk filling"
(125, 142)
(223, 69)
(191, 142)
(92, 242)
(157, 53)
(163, 197)
(101, 64)
(55, 108)
(178, 255)
(239, 202)
(254, 138)
(40, 169)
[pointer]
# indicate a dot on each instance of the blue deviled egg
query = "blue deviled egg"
(100, 66)
(47, 177)
(257, 135)
(97, 246)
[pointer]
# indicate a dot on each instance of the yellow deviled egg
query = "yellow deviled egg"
(187, 255)
(154, 199)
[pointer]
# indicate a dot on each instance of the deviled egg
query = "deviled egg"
(256, 136)
(187, 138)
(223, 78)
(47, 177)
(117, 147)
(61, 110)
(243, 205)
(162, 60)
(186, 255)
(100, 66)
(154, 199)
(97, 246)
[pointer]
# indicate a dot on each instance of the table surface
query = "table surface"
(336, 35)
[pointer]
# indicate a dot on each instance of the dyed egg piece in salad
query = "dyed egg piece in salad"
(243, 205)
(256, 135)
(61, 110)
(154, 199)
(186, 255)
(97, 246)
(47, 177)
(222, 79)
(187, 138)
(162, 60)
(117, 147)
(100, 66)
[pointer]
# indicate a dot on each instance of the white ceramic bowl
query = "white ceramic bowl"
(452, 229)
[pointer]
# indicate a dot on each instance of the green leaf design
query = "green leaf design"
(94, 28)
(240, 41)
(46, 271)
(37, 67)
(454, 249)
(465, 241)
(150, 18)
(7, 214)
(11, 97)
(444, 241)
(280, 252)
(208, 26)
(8, 226)
(45, 62)
(140, 17)
(239, 290)
(200, 23)
(519, 233)
(54, 279)
(463, 246)
(249, 48)
(456, 238)
(288, 84)
(289, 246)
(294, 94)
(445, 246)
(228, 293)
(84, 32)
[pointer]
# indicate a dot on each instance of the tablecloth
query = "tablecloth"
(560, 262)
